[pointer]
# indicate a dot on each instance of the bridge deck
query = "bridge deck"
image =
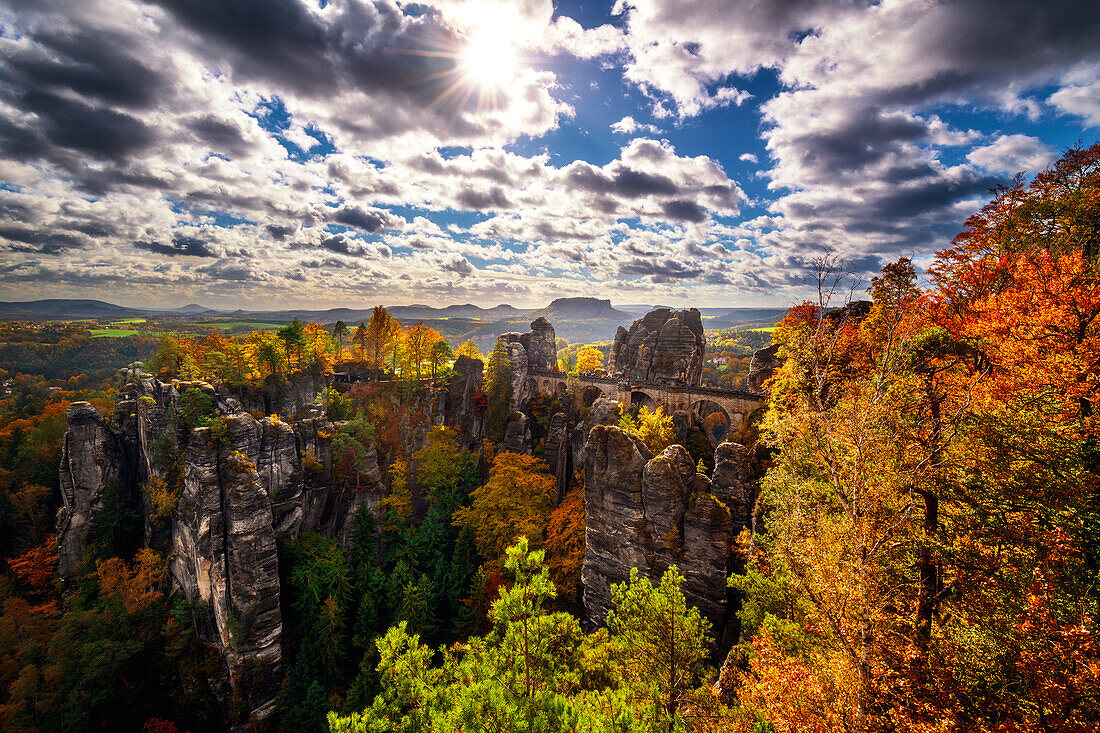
(684, 389)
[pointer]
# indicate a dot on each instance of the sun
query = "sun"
(488, 58)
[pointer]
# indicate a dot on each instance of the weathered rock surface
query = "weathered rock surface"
(613, 513)
(534, 350)
(663, 344)
(244, 487)
(734, 482)
(556, 453)
(650, 513)
(225, 561)
(762, 366)
(280, 473)
(604, 411)
(91, 460)
(463, 410)
(517, 434)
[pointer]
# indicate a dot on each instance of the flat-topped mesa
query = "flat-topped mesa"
(535, 350)
(662, 345)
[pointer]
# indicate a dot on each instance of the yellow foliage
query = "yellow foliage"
(652, 427)
(589, 359)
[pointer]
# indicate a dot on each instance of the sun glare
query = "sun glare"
(489, 56)
(488, 59)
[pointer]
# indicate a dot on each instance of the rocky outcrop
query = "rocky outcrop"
(604, 411)
(734, 482)
(534, 350)
(225, 560)
(92, 462)
(280, 473)
(517, 434)
(662, 345)
(465, 409)
(614, 515)
(762, 366)
(556, 453)
(651, 512)
(287, 397)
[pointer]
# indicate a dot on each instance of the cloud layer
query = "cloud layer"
(265, 152)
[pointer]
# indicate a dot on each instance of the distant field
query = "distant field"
(128, 320)
(112, 332)
(250, 324)
(769, 329)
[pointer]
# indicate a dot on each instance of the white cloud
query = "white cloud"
(1013, 154)
(628, 126)
(747, 158)
(1080, 100)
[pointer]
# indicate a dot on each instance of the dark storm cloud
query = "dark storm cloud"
(94, 65)
(495, 198)
(182, 245)
(622, 182)
(43, 242)
(371, 221)
(221, 135)
(368, 45)
(279, 232)
(657, 269)
(683, 210)
(459, 266)
(863, 137)
(72, 125)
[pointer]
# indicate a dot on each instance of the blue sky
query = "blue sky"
(275, 153)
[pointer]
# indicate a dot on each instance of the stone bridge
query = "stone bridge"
(737, 404)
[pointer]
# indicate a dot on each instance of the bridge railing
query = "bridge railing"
(679, 389)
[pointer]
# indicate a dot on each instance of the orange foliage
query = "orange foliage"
(565, 544)
(135, 584)
(36, 570)
(514, 502)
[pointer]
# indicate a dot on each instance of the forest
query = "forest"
(924, 553)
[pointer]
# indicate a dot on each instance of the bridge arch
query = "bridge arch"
(717, 419)
(590, 394)
(643, 397)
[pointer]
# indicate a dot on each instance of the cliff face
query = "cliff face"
(92, 459)
(664, 344)
(534, 350)
(224, 557)
(246, 485)
(651, 512)
(762, 366)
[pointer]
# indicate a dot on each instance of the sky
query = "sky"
(342, 153)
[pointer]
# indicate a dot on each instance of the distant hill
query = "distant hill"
(745, 317)
(467, 310)
(192, 309)
(63, 308)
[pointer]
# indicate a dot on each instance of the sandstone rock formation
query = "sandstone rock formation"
(664, 344)
(224, 557)
(535, 350)
(540, 345)
(246, 485)
(517, 434)
(92, 459)
(614, 515)
(651, 512)
(462, 410)
(762, 366)
(557, 454)
(734, 482)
